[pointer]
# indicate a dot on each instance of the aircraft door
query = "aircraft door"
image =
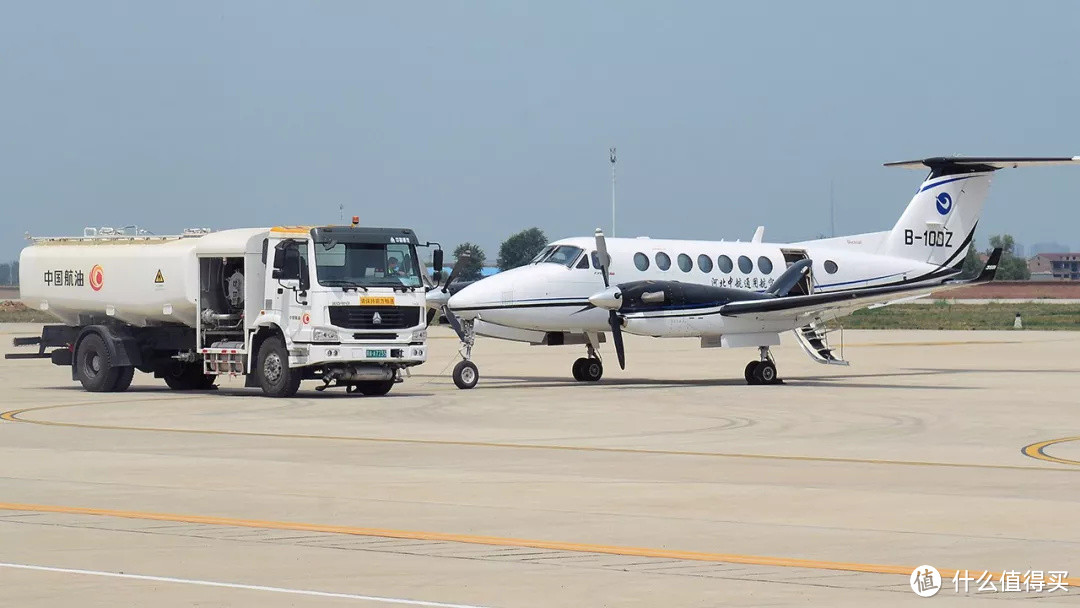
(805, 286)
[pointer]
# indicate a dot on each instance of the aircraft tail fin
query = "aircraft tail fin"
(940, 220)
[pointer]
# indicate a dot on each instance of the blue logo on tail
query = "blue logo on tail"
(944, 203)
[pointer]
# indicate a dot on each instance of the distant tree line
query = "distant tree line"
(9, 274)
(517, 250)
(1011, 267)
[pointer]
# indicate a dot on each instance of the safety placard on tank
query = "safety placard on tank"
(377, 300)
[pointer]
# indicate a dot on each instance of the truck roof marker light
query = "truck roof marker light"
(355, 220)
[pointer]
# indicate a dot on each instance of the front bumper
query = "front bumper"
(397, 355)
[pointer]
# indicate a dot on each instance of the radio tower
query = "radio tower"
(612, 152)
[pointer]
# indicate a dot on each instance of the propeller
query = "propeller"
(439, 295)
(610, 298)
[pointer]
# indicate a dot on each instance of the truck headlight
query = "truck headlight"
(419, 335)
(324, 335)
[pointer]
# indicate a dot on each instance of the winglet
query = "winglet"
(990, 269)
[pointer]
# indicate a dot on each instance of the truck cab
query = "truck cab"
(340, 304)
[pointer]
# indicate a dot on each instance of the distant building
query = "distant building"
(1038, 248)
(1018, 250)
(1055, 267)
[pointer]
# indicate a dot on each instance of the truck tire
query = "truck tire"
(93, 365)
(188, 377)
(123, 381)
(375, 388)
(276, 378)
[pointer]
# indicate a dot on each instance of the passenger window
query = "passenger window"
(745, 265)
(663, 262)
(685, 264)
(764, 264)
(830, 267)
(724, 263)
(641, 261)
(704, 262)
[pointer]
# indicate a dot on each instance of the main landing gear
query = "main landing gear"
(465, 373)
(762, 371)
(590, 368)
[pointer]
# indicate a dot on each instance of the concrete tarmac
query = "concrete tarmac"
(672, 483)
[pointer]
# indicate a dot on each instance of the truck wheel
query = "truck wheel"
(93, 365)
(276, 378)
(188, 377)
(375, 388)
(123, 380)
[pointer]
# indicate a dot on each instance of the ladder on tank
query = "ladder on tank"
(814, 339)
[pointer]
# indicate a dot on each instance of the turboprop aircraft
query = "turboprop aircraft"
(730, 294)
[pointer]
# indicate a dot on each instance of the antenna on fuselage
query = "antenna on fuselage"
(611, 151)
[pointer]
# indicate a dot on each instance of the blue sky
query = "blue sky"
(472, 120)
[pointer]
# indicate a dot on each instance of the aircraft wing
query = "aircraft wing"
(845, 302)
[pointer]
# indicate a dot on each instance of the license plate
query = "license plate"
(377, 300)
(376, 353)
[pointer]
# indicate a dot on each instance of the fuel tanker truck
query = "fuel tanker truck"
(344, 305)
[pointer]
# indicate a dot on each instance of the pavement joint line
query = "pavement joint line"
(1038, 451)
(15, 416)
(572, 547)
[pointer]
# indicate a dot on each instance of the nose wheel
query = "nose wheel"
(762, 371)
(465, 373)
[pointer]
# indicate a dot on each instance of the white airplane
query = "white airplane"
(730, 294)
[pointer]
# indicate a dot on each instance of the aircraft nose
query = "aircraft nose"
(473, 297)
(610, 299)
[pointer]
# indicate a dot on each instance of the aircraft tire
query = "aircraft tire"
(592, 370)
(578, 365)
(466, 375)
(751, 367)
(765, 373)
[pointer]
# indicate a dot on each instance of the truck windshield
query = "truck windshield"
(367, 265)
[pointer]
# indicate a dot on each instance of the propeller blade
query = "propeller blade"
(456, 270)
(452, 319)
(616, 337)
(602, 255)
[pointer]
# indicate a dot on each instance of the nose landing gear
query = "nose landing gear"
(465, 373)
(762, 371)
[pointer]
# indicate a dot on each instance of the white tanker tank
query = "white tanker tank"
(139, 280)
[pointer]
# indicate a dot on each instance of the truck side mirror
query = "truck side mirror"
(437, 262)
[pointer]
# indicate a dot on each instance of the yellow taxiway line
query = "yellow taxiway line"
(499, 541)
(1038, 451)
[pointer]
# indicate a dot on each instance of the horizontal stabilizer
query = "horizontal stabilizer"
(988, 163)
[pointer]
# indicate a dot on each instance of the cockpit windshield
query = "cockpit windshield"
(565, 255)
(543, 254)
(366, 265)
